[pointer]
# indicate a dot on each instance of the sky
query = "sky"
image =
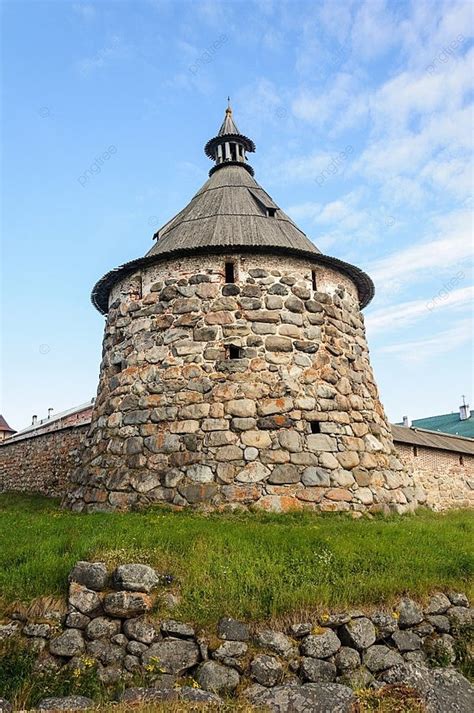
(361, 111)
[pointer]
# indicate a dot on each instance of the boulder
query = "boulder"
(378, 658)
(441, 689)
(216, 678)
(321, 645)
(438, 604)
(266, 670)
(140, 630)
(458, 599)
(84, 600)
(308, 698)
(409, 613)
(347, 659)
(135, 578)
(174, 655)
(70, 643)
(92, 575)
(66, 703)
(232, 630)
(126, 604)
(406, 641)
(275, 641)
(41, 630)
(101, 627)
(358, 633)
(170, 627)
(385, 625)
(317, 670)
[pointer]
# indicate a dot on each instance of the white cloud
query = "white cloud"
(422, 350)
(453, 244)
(407, 313)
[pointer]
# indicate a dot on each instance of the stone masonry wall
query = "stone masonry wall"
(259, 392)
(42, 463)
(447, 478)
(110, 628)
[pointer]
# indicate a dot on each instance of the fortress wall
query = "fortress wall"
(41, 463)
(446, 477)
(293, 421)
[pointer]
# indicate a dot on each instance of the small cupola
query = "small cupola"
(229, 146)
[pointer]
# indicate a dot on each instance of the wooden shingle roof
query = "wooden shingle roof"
(231, 213)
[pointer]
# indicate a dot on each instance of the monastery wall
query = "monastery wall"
(41, 463)
(446, 477)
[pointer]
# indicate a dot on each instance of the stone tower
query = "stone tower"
(235, 367)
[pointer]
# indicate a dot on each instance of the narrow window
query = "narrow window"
(234, 352)
(461, 460)
(415, 450)
(233, 152)
(229, 272)
(136, 288)
(313, 280)
(271, 212)
(315, 427)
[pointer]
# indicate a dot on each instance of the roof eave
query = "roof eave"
(101, 291)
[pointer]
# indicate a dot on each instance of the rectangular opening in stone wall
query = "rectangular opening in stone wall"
(234, 352)
(415, 450)
(313, 280)
(315, 426)
(136, 288)
(461, 460)
(117, 368)
(229, 272)
(271, 212)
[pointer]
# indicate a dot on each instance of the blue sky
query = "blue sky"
(387, 83)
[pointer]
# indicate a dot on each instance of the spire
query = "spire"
(228, 126)
(229, 146)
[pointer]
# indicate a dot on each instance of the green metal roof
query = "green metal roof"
(447, 423)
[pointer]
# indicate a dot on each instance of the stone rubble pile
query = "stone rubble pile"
(314, 663)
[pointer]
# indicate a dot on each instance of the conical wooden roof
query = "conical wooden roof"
(230, 213)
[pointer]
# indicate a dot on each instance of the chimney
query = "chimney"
(405, 422)
(464, 412)
(33, 420)
(50, 411)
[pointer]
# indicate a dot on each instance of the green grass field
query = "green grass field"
(246, 565)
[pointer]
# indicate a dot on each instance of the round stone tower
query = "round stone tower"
(235, 367)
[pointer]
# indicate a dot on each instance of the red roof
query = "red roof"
(4, 425)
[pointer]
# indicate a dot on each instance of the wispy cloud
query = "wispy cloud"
(416, 262)
(408, 313)
(422, 350)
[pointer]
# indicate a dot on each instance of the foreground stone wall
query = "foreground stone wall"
(259, 392)
(446, 477)
(312, 664)
(41, 463)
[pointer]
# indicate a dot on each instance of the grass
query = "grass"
(249, 565)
